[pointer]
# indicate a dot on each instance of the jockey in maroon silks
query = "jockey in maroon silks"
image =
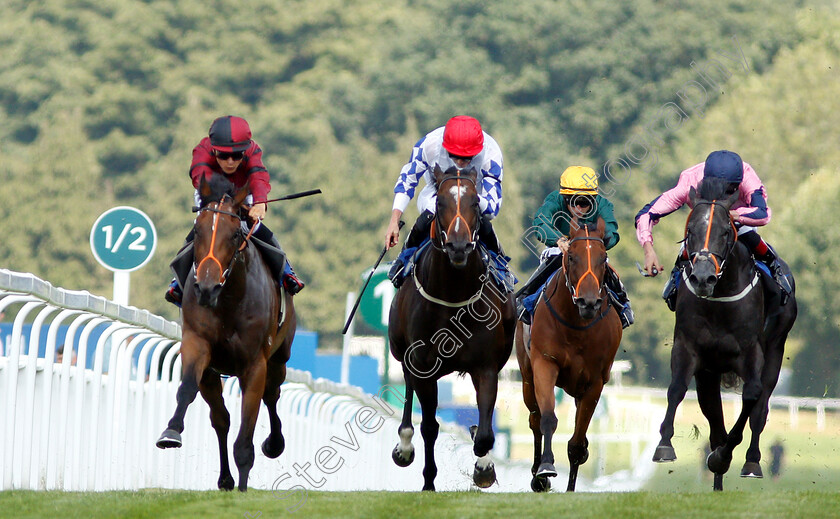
(229, 150)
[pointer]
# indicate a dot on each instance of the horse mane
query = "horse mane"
(712, 188)
(219, 187)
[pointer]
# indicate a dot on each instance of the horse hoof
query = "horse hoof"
(546, 470)
(400, 461)
(169, 440)
(226, 483)
(484, 478)
(273, 453)
(751, 469)
(716, 462)
(540, 484)
(664, 454)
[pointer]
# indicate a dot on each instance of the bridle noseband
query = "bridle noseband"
(573, 289)
(436, 224)
(225, 272)
(719, 260)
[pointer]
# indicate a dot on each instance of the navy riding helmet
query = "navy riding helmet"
(726, 165)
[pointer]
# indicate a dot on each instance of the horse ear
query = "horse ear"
(472, 173)
(692, 196)
(438, 174)
(731, 199)
(241, 194)
(602, 227)
(204, 189)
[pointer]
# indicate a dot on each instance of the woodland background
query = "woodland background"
(101, 102)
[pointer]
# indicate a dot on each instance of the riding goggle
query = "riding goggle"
(224, 155)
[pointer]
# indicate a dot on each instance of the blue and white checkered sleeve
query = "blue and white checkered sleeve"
(409, 178)
(491, 191)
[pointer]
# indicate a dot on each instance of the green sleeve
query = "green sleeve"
(546, 219)
(605, 211)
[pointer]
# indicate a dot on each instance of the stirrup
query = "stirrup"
(521, 313)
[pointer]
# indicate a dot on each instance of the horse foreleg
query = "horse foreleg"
(211, 389)
(195, 358)
(427, 394)
(274, 444)
(252, 384)
(545, 377)
(486, 386)
(578, 446)
(403, 453)
(682, 369)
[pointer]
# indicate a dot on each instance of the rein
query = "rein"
(573, 289)
(211, 256)
(458, 216)
(705, 252)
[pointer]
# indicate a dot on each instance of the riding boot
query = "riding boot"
(487, 236)
(772, 261)
(181, 266)
(669, 294)
(537, 279)
(421, 229)
(618, 297)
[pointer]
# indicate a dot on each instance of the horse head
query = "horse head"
(710, 233)
(584, 265)
(218, 236)
(457, 215)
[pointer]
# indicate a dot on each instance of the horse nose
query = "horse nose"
(709, 279)
(208, 297)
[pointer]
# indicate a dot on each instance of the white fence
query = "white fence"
(69, 427)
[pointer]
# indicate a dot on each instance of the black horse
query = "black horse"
(236, 321)
(450, 317)
(724, 327)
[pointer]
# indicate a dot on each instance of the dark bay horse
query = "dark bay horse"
(572, 344)
(451, 317)
(723, 328)
(232, 326)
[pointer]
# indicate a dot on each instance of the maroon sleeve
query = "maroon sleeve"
(202, 161)
(257, 174)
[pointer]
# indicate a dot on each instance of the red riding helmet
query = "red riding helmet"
(230, 134)
(463, 136)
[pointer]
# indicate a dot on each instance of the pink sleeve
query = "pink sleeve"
(752, 196)
(666, 203)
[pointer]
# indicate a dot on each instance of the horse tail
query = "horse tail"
(730, 380)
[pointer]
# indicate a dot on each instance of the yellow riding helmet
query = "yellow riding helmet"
(579, 180)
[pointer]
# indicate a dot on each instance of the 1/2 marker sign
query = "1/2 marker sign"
(123, 239)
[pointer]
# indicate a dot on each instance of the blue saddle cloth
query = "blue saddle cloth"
(530, 302)
(497, 265)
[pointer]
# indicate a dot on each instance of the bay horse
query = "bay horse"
(723, 328)
(451, 317)
(571, 344)
(232, 325)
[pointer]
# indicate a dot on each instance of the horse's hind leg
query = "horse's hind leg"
(427, 394)
(195, 360)
(252, 383)
(486, 386)
(274, 445)
(403, 453)
(758, 418)
(708, 398)
(682, 369)
(211, 389)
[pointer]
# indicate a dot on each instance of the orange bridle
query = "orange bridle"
(704, 251)
(589, 272)
(211, 256)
